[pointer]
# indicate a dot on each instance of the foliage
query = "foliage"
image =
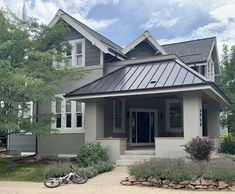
(30, 59)
(227, 144)
(228, 87)
(63, 168)
(103, 166)
(170, 169)
(12, 171)
(220, 169)
(177, 170)
(92, 153)
(199, 148)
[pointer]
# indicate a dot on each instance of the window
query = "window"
(174, 115)
(210, 70)
(58, 113)
(76, 56)
(69, 115)
(119, 116)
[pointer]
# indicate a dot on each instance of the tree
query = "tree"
(31, 59)
(228, 86)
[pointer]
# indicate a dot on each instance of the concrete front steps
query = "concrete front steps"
(137, 155)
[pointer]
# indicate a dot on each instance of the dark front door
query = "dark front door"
(142, 127)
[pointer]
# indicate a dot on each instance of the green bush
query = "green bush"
(220, 169)
(102, 166)
(91, 153)
(171, 169)
(178, 170)
(89, 172)
(57, 170)
(199, 148)
(227, 144)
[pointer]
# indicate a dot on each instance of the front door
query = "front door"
(143, 126)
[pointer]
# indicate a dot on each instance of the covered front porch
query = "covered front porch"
(161, 121)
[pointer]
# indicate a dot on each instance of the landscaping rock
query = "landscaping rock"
(213, 183)
(190, 187)
(205, 182)
(165, 186)
(146, 183)
(154, 181)
(184, 182)
(212, 188)
(166, 182)
(200, 187)
(126, 183)
(141, 179)
(177, 186)
(196, 182)
(137, 183)
(232, 188)
(125, 179)
(132, 179)
(222, 185)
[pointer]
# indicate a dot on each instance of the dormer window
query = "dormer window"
(76, 57)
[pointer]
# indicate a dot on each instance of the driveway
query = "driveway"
(107, 183)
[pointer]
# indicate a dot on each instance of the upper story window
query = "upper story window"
(76, 56)
(69, 115)
(211, 70)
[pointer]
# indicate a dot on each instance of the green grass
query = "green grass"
(13, 171)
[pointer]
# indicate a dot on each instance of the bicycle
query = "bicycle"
(57, 181)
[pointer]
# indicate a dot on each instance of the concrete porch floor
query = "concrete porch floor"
(103, 184)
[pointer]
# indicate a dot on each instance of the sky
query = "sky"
(122, 21)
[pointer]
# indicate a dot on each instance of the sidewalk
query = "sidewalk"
(107, 183)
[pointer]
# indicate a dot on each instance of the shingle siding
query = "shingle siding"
(92, 53)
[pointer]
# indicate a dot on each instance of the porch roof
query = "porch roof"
(147, 76)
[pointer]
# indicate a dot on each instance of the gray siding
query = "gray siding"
(92, 53)
(22, 143)
(60, 144)
(141, 50)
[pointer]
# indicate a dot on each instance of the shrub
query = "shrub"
(220, 169)
(227, 144)
(178, 170)
(89, 172)
(91, 153)
(171, 169)
(199, 148)
(102, 166)
(57, 170)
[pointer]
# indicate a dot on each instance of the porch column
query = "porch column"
(213, 120)
(94, 120)
(192, 112)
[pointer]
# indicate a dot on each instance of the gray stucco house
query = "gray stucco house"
(143, 95)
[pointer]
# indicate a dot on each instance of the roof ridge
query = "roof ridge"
(194, 40)
(91, 29)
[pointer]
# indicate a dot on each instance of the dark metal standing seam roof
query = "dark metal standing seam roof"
(152, 75)
(193, 51)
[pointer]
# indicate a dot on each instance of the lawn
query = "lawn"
(17, 171)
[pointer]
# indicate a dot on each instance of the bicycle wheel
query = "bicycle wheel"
(79, 179)
(52, 182)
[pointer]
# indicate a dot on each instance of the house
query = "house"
(143, 95)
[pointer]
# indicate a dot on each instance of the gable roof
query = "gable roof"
(103, 43)
(194, 51)
(155, 74)
(144, 37)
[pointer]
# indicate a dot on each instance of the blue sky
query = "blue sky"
(124, 20)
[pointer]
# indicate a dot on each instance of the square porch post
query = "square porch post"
(192, 114)
(94, 120)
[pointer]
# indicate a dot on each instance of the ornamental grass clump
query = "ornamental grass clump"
(199, 149)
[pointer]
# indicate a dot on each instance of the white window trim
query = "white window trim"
(73, 128)
(74, 54)
(122, 129)
(168, 128)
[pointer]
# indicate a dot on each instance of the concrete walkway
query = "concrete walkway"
(107, 183)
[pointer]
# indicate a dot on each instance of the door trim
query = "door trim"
(155, 111)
